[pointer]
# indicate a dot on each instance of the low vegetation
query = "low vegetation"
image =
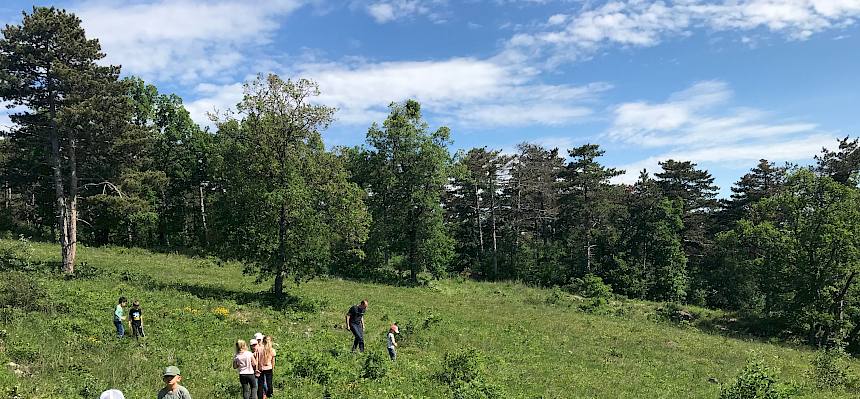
(459, 338)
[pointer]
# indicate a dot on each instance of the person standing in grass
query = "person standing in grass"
(135, 320)
(118, 317)
(392, 343)
(266, 361)
(246, 364)
(172, 389)
(355, 324)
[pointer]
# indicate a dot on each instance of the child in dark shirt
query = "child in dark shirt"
(135, 320)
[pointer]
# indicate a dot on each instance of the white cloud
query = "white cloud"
(777, 151)
(391, 10)
(187, 40)
(461, 91)
(638, 23)
(698, 124)
(215, 99)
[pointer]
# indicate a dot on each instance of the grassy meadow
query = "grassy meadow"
(530, 343)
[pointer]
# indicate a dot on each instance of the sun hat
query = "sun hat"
(112, 394)
(171, 371)
(252, 342)
(258, 337)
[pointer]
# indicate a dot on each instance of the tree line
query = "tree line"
(108, 160)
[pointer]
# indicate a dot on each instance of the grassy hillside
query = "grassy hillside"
(532, 343)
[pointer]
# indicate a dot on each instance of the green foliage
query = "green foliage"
(476, 389)
(757, 381)
(406, 170)
(20, 290)
(375, 366)
(830, 369)
(16, 254)
(459, 367)
(797, 258)
(315, 366)
(289, 210)
(589, 286)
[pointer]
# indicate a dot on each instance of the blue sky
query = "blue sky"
(721, 83)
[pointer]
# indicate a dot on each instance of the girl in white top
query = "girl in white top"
(246, 364)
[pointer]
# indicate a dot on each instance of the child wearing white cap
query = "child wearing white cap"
(112, 394)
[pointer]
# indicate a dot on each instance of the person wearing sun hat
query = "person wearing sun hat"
(172, 389)
(112, 394)
(392, 343)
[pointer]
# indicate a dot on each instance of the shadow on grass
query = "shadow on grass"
(286, 302)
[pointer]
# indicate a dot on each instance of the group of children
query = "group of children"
(135, 318)
(255, 362)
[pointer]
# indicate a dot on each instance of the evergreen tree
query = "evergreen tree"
(843, 164)
(532, 193)
(651, 261)
(762, 181)
(74, 106)
(588, 203)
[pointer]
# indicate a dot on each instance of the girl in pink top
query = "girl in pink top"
(246, 364)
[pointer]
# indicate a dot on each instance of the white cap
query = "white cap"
(258, 336)
(252, 342)
(112, 394)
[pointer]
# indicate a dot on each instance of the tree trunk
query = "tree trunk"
(69, 263)
(493, 217)
(478, 220)
(203, 217)
(282, 253)
(62, 208)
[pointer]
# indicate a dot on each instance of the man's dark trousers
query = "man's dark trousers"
(358, 332)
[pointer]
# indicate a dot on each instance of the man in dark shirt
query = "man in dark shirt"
(355, 324)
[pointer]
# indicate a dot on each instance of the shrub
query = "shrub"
(314, 366)
(590, 286)
(756, 381)
(375, 366)
(556, 296)
(16, 255)
(476, 389)
(676, 313)
(22, 291)
(462, 366)
(830, 368)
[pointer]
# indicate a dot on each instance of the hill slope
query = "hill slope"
(532, 342)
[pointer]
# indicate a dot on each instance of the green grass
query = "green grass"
(529, 346)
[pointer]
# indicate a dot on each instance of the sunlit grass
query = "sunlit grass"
(194, 309)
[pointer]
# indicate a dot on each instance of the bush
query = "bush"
(463, 373)
(830, 369)
(16, 255)
(590, 286)
(476, 389)
(21, 290)
(375, 366)
(676, 313)
(314, 366)
(756, 381)
(462, 366)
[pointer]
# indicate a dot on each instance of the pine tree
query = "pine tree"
(73, 104)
